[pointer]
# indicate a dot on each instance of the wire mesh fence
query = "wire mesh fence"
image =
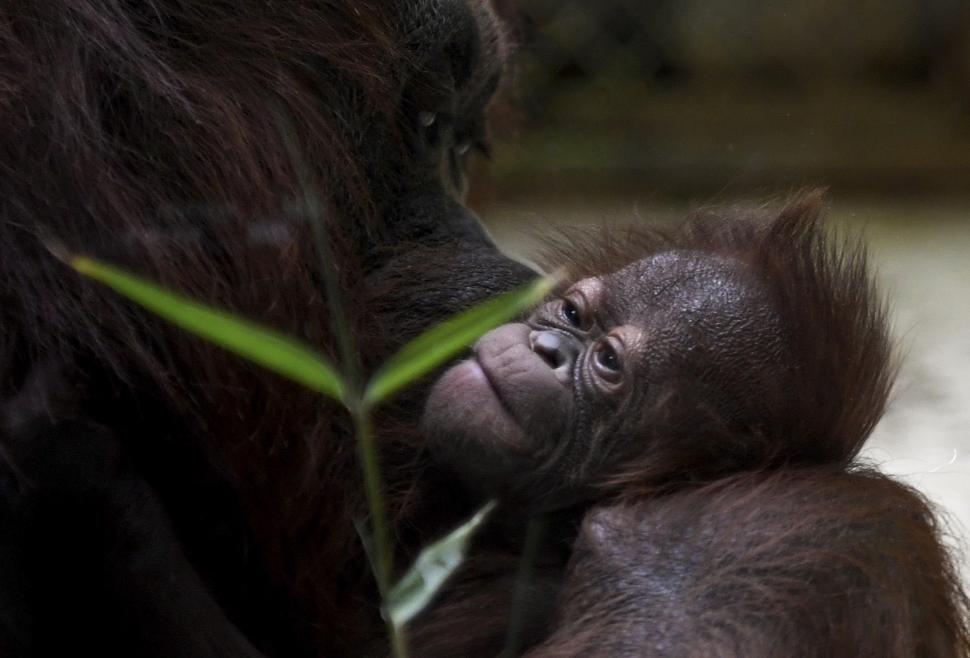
(699, 94)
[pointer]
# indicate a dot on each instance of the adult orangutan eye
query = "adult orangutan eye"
(571, 313)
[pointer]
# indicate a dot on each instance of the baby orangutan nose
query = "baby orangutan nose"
(557, 349)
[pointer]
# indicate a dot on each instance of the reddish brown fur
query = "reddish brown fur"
(793, 563)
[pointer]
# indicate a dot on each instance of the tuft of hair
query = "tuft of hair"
(835, 321)
(810, 562)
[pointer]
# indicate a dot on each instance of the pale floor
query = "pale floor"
(922, 253)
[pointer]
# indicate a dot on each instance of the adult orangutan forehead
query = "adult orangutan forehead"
(469, 33)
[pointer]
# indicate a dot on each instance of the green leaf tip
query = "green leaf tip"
(82, 264)
(429, 572)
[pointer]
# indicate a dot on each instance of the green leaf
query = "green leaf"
(266, 347)
(443, 341)
(428, 573)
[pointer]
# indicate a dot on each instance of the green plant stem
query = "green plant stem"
(311, 204)
(533, 536)
(373, 488)
(349, 358)
(375, 500)
(399, 646)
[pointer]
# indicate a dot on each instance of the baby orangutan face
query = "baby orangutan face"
(602, 373)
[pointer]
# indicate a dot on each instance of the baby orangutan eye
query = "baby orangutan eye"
(607, 361)
(571, 314)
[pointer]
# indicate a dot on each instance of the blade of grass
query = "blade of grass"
(440, 343)
(311, 205)
(428, 573)
(261, 345)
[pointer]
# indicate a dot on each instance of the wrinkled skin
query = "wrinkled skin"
(545, 407)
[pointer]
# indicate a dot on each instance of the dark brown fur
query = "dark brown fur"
(162, 137)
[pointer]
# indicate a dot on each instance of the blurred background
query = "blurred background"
(641, 109)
